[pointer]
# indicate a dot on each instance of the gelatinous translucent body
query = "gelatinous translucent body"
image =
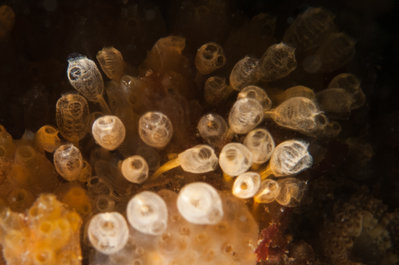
(258, 94)
(235, 159)
(299, 91)
(297, 113)
(7, 20)
(200, 203)
(68, 161)
(198, 159)
(335, 101)
(277, 62)
(108, 232)
(209, 58)
(268, 191)
(108, 131)
(246, 185)
(245, 115)
(85, 77)
(261, 144)
(47, 138)
(155, 129)
(72, 115)
(216, 90)
(309, 28)
(135, 169)
(351, 84)
(291, 191)
(111, 62)
(147, 213)
(244, 73)
(290, 157)
(212, 128)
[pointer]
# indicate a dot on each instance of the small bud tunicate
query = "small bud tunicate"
(155, 129)
(268, 191)
(246, 185)
(235, 159)
(108, 131)
(135, 169)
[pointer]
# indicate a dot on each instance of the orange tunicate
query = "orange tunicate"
(76, 197)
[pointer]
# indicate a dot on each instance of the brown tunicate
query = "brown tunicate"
(7, 20)
(209, 58)
(216, 90)
(111, 62)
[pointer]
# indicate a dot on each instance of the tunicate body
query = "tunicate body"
(155, 129)
(246, 185)
(268, 191)
(111, 62)
(209, 58)
(108, 131)
(198, 159)
(212, 128)
(235, 159)
(245, 115)
(68, 161)
(256, 93)
(244, 73)
(261, 144)
(135, 169)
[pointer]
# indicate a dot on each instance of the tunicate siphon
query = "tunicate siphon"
(108, 131)
(68, 161)
(209, 58)
(135, 169)
(200, 203)
(108, 232)
(155, 129)
(147, 213)
(261, 144)
(246, 185)
(245, 115)
(235, 159)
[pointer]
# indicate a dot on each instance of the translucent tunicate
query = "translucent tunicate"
(299, 91)
(72, 115)
(245, 115)
(135, 169)
(261, 144)
(216, 90)
(257, 93)
(111, 62)
(147, 213)
(351, 84)
(68, 161)
(235, 159)
(277, 62)
(310, 28)
(244, 73)
(47, 138)
(268, 191)
(335, 101)
(291, 191)
(85, 77)
(246, 185)
(108, 232)
(212, 128)
(200, 203)
(209, 58)
(198, 159)
(108, 131)
(155, 129)
(290, 157)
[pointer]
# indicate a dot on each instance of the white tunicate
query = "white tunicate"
(290, 157)
(85, 77)
(147, 213)
(257, 93)
(135, 169)
(68, 161)
(198, 159)
(244, 73)
(268, 191)
(235, 159)
(108, 232)
(108, 131)
(261, 144)
(291, 191)
(246, 185)
(212, 128)
(200, 203)
(245, 115)
(155, 129)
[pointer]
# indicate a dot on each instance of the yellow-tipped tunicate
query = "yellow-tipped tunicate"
(135, 169)
(155, 129)
(212, 128)
(108, 232)
(246, 185)
(245, 115)
(198, 159)
(261, 144)
(268, 191)
(290, 157)
(147, 213)
(47, 138)
(85, 77)
(257, 93)
(235, 159)
(68, 161)
(109, 132)
(200, 203)
(111, 62)
(244, 73)
(291, 191)
(209, 58)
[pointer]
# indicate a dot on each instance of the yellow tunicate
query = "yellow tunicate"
(77, 198)
(47, 138)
